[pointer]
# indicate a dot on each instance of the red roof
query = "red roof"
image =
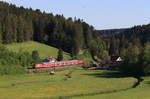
(50, 58)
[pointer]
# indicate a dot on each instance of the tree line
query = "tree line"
(18, 24)
(135, 36)
(133, 45)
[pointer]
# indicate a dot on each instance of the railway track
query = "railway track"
(53, 68)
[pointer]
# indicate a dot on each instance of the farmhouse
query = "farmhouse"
(50, 59)
(116, 59)
(111, 62)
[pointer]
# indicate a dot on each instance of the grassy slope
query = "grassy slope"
(44, 86)
(44, 50)
(141, 92)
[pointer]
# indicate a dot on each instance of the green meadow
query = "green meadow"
(141, 92)
(81, 84)
(44, 50)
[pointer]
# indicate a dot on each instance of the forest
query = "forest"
(19, 24)
(133, 44)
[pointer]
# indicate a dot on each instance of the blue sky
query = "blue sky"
(102, 14)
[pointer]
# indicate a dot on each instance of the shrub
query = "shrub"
(88, 60)
(60, 55)
(35, 57)
(6, 70)
(25, 59)
(12, 58)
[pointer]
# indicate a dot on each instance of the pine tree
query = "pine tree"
(146, 58)
(35, 57)
(0, 33)
(78, 39)
(20, 30)
(60, 55)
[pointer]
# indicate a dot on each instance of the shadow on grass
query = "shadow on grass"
(147, 82)
(108, 74)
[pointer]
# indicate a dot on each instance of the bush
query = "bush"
(25, 59)
(12, 58)
(15, 63)
(35, 57)
(60, 55)
(6, 70)
(86, 57)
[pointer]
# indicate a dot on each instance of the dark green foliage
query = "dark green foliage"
(136, 61)
(13, 63)
(132, 65)
(0, 33)
(145, 58)
(35, 57)
(132, 69)
(25, 59)
(118, 42)
(132, 45)
(114, 48)
(132, 54)
(104, 54)
(60, 55)
(10, 70)
(7, 57)
(11, 58)
(20, 24)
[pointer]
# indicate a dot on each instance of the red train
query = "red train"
(57, 64)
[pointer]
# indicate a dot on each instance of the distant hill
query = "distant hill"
(122, 39)
(110, 32)
(44, 50)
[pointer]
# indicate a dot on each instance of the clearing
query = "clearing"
(44, 50)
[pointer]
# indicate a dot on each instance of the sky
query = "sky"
(102, 14)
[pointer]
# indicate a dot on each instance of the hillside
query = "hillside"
(44, 50)
(19, 24)
(120, 40)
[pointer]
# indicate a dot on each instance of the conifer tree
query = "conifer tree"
(60, 55)
(35, 57)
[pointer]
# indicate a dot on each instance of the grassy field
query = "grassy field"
(45, 86)
(141, 92)
(44, 50)
(83, 84)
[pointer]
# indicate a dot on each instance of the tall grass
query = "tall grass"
(12, 70)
